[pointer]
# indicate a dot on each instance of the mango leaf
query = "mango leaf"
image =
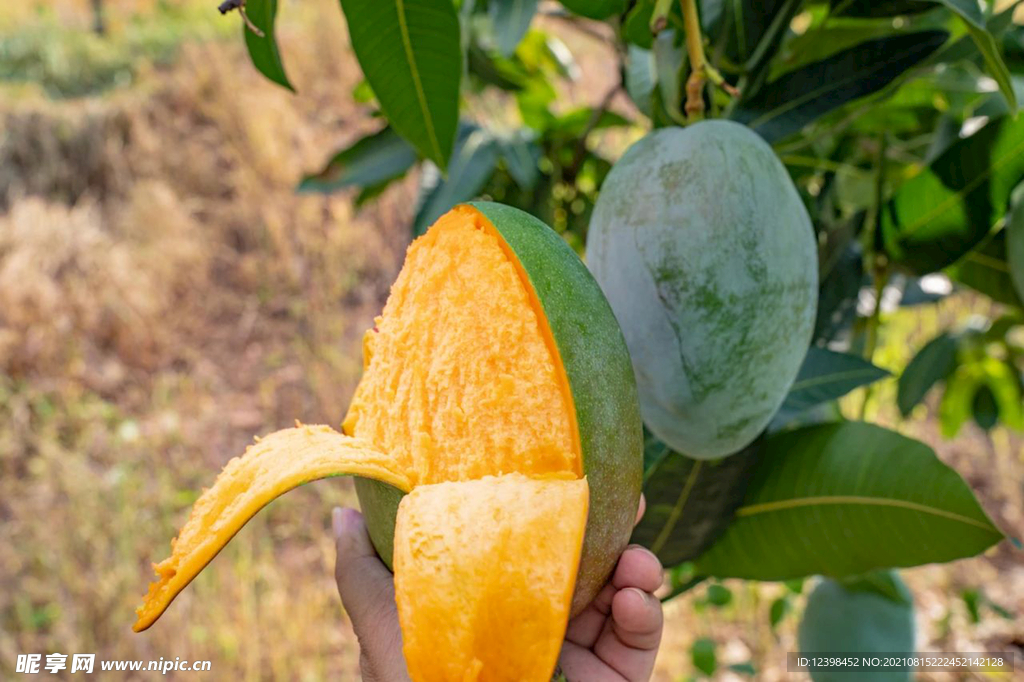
(950, 207)
(842, 617)
(755, 29)
(472, 165)
(786, 105)
(689, 502)
(410, 53)
(1015, 241)
(844, 499)
(970, 12)
(933, 363)
(826, 376)
(511, 20)
(373, 160)
(986, 270)
(985, 408)
(595, 9)
(873, 9)
(263, 49)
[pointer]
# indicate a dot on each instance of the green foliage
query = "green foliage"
(844, 499)
(800, 97)
(949, 208)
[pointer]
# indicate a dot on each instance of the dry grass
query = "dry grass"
(165, 295)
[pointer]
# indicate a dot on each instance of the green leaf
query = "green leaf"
(840, 619)
(874, 9)
(511, 19)
(844, 499)
(1015, 241)
(263, 49)
(702, 655)
(410, 53)
(718, 595)
(595, 9)
(826, 376)
(885, 583)
(786, 105)
(472, 165)
(933, 363)
(984, 408)
(970, 12)
(636, 29)
(778, 610)
(689, 502)
(373, 160)
(950, 207)
(986, 270)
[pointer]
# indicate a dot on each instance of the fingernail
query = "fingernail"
(646, 551)
(644, 597)
(337, 522)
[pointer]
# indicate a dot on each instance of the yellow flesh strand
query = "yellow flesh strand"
(271, 467)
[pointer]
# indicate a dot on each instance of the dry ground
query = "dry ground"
(165, 296)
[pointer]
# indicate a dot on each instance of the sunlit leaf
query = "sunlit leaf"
(951, 206)
(263, 49)
(410, 53)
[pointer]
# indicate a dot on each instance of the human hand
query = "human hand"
(615, 639)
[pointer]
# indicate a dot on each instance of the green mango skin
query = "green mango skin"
(601, 380)
(707, 255)
(838, 619)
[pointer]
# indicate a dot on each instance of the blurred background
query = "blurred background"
(166, 294)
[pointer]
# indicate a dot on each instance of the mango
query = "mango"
(707, 255)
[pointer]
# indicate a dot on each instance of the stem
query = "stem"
(659, 17)
(698, 62)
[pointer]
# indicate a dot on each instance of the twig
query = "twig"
(229, 5)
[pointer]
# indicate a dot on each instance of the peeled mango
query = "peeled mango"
(497, 442)
(707, 255)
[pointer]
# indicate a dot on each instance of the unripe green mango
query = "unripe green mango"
(707, 255)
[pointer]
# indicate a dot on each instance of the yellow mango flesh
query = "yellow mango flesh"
(271, 467)
(497, 558)
(461, 378)
(464, 391)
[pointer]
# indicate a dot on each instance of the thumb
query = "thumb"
(368, 595)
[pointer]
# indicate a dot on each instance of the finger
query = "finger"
(638, 567)
(579, 664)
(630, 645)
(641, 509)
(368, 594)
(585, 628)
